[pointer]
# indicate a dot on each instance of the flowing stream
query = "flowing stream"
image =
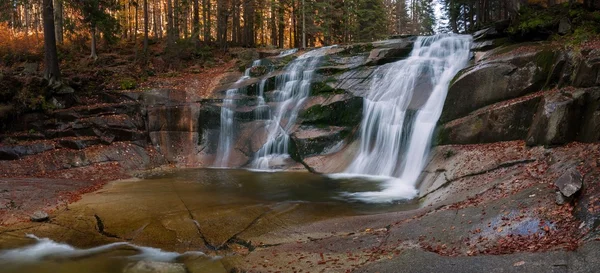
(292, 89)
(395, 133)
(227, 130)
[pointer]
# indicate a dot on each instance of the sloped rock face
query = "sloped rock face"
(173, 125)
(526, 92)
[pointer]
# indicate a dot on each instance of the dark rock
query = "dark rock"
(495, 80)
(379, 56)
(318, 140)
(557, 120)
(357, 81)
(258, 71)
(487, 33)
(570, 182)
(590, 127)
(587, 72)
(502, 122)
(15, 152)
(39, 216)
(78, 144)
(488, 44)
(210, 115)
(30, 68)
(564, 26)
(341, 110)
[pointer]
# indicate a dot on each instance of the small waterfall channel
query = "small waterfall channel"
(395, 134)
(292, 89)
(227, 130)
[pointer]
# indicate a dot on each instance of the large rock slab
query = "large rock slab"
(497, 78)
(500, 122)
(557, 120)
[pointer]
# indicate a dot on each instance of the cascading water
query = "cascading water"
(226, 133)
(395, 140)
(292, 88)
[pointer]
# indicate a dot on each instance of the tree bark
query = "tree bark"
(51, 71)
(94, 54)
(196, 28)
(58, 20)
(281, 28)
(146, 17)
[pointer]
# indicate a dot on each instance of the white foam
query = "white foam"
(45, 248)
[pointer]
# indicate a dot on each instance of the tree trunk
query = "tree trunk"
(249, 23)
(206, 14)
(281, 28)
(170, 34)
(51, 71)
(273, 24)
(58, 21)
(94, 54)
(235, 23)
(146, 17)
(196, 23)
(176, 18)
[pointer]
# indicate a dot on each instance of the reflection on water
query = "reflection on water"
(234, 185)
(217, 199)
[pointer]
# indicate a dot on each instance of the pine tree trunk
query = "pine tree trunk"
(249, 23)
(146, 27)
(52, 71)
(281, 28)
(94, 54)
(273, 24)
(196, 23)
(170, 30)
(176, 18)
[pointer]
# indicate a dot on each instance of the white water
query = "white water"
(47, 248)
(227, 129)
(292, 89)
(394, 142)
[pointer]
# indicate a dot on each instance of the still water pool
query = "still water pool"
(193, 220)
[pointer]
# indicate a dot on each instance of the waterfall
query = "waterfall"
(226, 132)
(292, 89)
(395, 134)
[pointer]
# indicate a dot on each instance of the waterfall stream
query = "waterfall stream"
(395, 133)
(227, 130)
(293, 87)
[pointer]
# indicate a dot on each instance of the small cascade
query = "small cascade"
(287, 52)
(226, 133)
(292, 88)
(395, 134)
